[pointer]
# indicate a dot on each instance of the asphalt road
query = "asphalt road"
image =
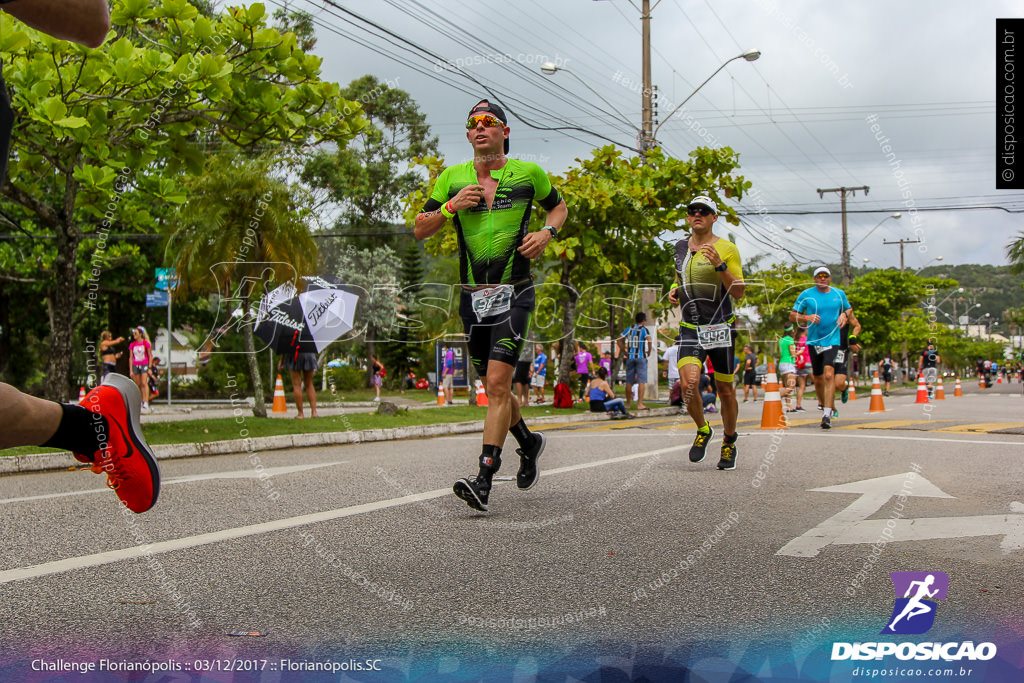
(624, 549)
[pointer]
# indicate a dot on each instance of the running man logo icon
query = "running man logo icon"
(916, 593)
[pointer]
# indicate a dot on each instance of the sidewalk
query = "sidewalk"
(184, 411)
(39, 462)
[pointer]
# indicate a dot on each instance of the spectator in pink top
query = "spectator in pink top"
(802, 356)
(141, 353)
(583, 361)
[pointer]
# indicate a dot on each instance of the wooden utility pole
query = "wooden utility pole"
(901, 242)
(847, 275)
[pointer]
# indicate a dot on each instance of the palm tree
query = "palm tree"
(240, 224)
(1014, 318)
(1015, 253)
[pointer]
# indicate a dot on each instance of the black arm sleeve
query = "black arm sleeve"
(431, 205)
(551, 201)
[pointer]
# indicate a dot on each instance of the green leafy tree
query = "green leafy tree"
(408, 333)
(102, 136)
(298, 22)
(890, 306)
(239, 225)
(375, 273)
(367, 179)
(619, 206)
(770, 294)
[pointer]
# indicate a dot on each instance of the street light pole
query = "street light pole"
(749, 55)
(790, 228)
(847, 276)
(550, 68)
(896, 215)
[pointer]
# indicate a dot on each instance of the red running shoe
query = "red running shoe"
(124, 455)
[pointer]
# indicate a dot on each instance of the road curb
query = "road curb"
(42, 462)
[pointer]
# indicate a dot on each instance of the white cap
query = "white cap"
(704, 200)
(822, 269)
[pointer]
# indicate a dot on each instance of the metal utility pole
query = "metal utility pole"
(901, 242)
(647, 125)
(847, 275)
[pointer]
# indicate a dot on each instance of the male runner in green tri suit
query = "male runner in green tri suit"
(490, 199)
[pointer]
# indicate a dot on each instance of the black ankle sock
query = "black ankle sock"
(729, 438)
(522, 433)
(79, 431)
(490, 461)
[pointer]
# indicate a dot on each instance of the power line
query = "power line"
(469, 76)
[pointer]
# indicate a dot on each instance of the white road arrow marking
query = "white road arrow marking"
(926, 528)
(875, 493)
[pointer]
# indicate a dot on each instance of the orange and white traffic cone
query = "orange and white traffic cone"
(81, 394)
(440, 396)
(957, 391)
(853, 391)
(981, 381)
(877, 405)
(940, 393)
(481, 394)
(922, 391)
(280, 405)
(772, 416)
(999, 378)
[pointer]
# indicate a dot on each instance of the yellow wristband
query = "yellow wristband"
(446, 211)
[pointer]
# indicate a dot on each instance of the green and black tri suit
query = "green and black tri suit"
(489, 239)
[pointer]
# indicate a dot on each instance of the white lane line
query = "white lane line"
(834, 435)
(97, 559)
(237, 474)
(572, 434)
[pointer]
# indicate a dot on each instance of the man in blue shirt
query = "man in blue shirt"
(825, 309)
(635, 344)
(448, 375)
(538, 373)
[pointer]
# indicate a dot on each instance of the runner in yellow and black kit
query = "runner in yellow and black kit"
(708, 273)
(490, 200)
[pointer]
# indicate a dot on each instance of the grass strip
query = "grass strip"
(246, 426)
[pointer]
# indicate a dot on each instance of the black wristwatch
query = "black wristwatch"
(721, 267)
(553, 229)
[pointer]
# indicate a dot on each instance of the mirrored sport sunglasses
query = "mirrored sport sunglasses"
(489, 121)
(698, 211)
(824, 275)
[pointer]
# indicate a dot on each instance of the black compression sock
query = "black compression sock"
(78, 431)
(490, 461)
(522, 433)
(730, 438)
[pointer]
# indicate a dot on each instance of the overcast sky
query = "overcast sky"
(799, 116)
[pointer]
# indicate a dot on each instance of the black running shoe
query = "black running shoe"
(529, 473)
(845, 395)
(826, 422)
(474, 491)
(728, 460)
(700, 444)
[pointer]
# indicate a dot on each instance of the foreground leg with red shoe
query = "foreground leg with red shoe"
(103, 430)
